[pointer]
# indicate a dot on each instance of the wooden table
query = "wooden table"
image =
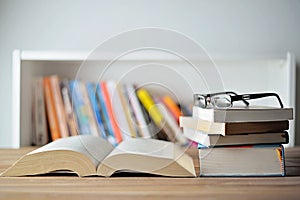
(72, 187)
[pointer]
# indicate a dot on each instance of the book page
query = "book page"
(93, 147)
(148, 156)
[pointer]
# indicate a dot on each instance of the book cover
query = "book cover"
(230, 128)
(243, 114)
(241, 139)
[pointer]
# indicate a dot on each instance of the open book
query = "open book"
(88, 155)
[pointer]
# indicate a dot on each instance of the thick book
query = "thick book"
(243, 114)
(88, 155)
(257, 160)
(231, 128)
(241, 139)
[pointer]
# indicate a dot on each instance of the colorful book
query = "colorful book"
(111, 115)
(243, 114)
(258, 160)
(173, 107)
(231, 128)
(118, 109)
(155, 114)
(207, 140)
(81, 108)
(104, 113)
(91, 90)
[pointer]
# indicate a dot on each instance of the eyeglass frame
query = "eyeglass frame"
(235, 97)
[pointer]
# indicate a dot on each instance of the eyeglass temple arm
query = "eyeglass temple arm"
(257, 96)
(230, 92)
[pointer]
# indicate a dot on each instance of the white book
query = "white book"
(243, 114)
(136, 107)
(267, 160)
(118, 109)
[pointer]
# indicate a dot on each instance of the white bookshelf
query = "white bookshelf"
(162, 71)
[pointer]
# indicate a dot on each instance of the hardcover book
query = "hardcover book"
(241, 139)
(243, 114)
(88, 155)
(254, 160)
(232, 128)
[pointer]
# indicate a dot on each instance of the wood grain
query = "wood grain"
(149, 187)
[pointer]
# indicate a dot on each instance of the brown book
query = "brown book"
(50, 108)
(59, 106)
(230, 128)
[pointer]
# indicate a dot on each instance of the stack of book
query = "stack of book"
(239, 141)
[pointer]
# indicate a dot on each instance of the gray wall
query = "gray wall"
(231, 27)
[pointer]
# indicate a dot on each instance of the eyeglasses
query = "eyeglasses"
(226, 99)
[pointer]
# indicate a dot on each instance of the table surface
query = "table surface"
(72, 187)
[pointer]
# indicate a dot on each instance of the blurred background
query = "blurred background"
(231, 28)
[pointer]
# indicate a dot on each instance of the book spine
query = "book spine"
(126, 108)
(172, 123)
(106, 120)
(58, 105)
(39, 111)
(173, 107)
(108, 103)
(131, 113)
(92, 94)
(88, 109)
(79, 107)
(69, 112)
(138, 113)
(51, 113)
(155, 113)
(118, 109)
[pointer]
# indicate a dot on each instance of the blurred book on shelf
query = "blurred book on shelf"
(111, 110)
